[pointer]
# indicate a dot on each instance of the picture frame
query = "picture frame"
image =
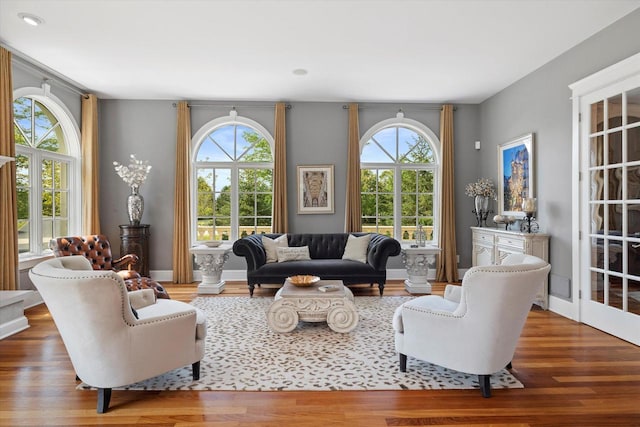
(516, 181)
(315, 189)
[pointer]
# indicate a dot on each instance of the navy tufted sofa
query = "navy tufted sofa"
(326, 260)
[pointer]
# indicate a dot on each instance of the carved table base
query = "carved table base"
(293, 304)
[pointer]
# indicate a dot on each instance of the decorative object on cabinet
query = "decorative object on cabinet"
(492, 245)
(315, 189)
(134, 239)
(481, 191)
(517, 174)
(134, 175)
(529, 209)
(507, 220)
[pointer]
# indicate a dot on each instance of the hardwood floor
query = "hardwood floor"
(574, 375)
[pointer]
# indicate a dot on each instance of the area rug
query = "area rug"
(242, 353)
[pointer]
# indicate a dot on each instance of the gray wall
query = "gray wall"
(316, 134)
(540, 103)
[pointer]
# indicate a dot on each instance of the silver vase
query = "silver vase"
(482, 209)
(135, 206)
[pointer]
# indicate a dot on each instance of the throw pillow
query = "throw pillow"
(356, 248)
(293, 254)
(271, 246)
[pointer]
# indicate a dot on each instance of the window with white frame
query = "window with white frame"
(47, 170)
(400, 175)
(232, 179)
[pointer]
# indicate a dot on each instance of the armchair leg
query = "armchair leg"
(403, 362)
(195, 369)
(485, 385)
(251, 287)
(104, 396)
(509, 366)
(381, 287)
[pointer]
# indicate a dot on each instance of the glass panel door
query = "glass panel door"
(611, 135)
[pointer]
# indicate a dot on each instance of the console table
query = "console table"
(416, 261)
(491, 245)
(134, 239)
(211, 260)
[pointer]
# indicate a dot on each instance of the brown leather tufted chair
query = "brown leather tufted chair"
(97, 249)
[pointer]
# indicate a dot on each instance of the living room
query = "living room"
(538, 101)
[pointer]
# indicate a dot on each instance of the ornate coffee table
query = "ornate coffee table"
(310, 304)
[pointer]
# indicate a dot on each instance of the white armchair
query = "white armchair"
(115, 337)
(476, 326)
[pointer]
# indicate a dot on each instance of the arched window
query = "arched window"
(400, 178)
(47, 170)
(232, 179)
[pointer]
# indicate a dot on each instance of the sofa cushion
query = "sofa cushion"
(328, 269)
(271, 246)
(356, 248)
(293, 254)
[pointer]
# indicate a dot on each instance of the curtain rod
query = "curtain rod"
(411, 107)
(41, 70)
(234, 106)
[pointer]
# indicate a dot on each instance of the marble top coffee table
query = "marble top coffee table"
(309, 304)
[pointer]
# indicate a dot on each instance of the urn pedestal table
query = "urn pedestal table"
(416, 261)
(211, 261)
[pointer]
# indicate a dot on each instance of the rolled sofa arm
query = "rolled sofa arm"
(250, 247)
(381, 247)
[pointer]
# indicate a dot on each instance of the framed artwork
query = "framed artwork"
(517, 174)
(315, 189)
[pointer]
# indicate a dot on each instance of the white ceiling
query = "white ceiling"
(461, 51)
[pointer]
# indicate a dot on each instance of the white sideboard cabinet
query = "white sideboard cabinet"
(491, 245)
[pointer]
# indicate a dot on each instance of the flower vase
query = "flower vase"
(482, 209)
(135, 206)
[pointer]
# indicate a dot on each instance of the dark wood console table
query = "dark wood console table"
(134, 239)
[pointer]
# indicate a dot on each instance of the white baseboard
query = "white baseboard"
(12, 318)
(240, 275)
(563, 307)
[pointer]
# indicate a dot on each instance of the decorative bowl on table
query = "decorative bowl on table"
(212, 243)
(303, 280)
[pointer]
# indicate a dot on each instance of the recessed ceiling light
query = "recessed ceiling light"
(31, 19)
(300, 72)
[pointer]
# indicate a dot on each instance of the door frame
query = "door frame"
(605, 79)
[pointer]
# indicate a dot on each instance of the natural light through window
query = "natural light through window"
(399, 177)
(233, 180)
(44, 174)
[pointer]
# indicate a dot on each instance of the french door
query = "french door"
(609, 205)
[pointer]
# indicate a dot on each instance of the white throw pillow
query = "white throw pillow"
(271, 246)
(356, 248)
(296, 253)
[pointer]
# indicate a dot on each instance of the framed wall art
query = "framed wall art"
(315, 189)
(517, 174)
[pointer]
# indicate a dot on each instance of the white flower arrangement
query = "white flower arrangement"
(482, 187)
(135, 174)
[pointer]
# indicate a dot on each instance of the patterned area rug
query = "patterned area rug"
(242, 353)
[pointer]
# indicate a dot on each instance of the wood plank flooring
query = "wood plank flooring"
(573, 374)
